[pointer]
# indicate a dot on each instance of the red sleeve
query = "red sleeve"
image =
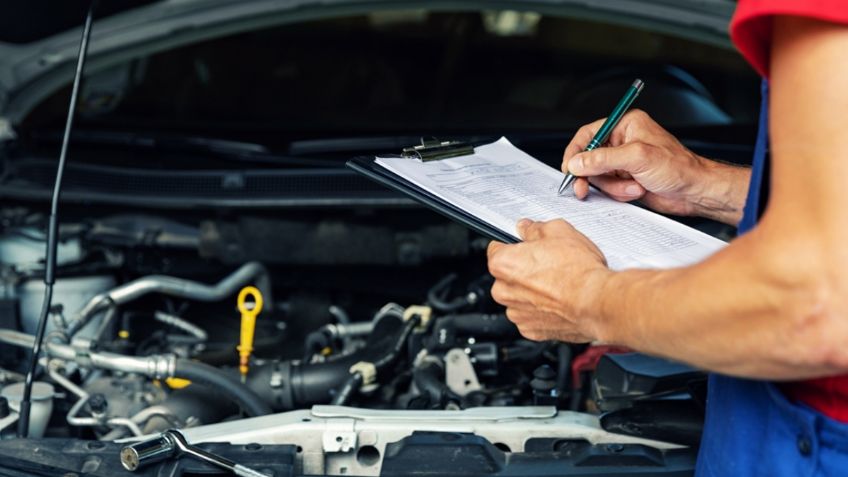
(750, 28)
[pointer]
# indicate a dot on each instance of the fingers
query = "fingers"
(493, 248)
(523, 319)
(622, 190)
(634, 125)
(536, 326)
(504, 294)
(632, 158)
(581, 188)
(581, 139)
(529, 230)
(502, 263)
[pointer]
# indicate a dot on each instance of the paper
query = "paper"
(500, 184)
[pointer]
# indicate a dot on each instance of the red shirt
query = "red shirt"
(751, 32)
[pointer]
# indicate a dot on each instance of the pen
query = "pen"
(610, 124)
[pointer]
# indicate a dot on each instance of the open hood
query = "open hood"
(33, 67)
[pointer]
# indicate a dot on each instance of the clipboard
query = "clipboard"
(429, 151)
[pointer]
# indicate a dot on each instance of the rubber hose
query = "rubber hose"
(204, 374)
(350, 387)
(390, 357)
(354, 382)
(494, 325)
(435, 296)
(563, 366)
(429, 378)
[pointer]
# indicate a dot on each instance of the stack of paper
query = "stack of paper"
(500, 184)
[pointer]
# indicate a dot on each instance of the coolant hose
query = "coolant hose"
(355, 381)
(239, 393)
(429, 378)
(348, 389)
(395, 351)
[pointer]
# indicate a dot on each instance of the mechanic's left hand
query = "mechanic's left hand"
(548, 281)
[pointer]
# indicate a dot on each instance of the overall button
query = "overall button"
(805, 447)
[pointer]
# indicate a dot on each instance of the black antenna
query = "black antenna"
(53, 232)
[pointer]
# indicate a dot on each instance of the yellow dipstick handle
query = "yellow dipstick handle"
(248, 325)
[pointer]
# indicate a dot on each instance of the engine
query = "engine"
(316, 344)
(132, 354)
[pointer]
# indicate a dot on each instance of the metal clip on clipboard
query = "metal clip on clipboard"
(435, 150)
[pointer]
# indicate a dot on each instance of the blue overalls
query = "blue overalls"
(751, 428)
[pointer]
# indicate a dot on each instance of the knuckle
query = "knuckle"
(531, 334)
(585, 130)
(536, 227)
(596, 158)
(496, 268)
(514, 316)
(491, 249)
(498, 291)
(638, 114)
(559, 225)
(641, 149)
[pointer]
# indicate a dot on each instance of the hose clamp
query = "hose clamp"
(161, 366)
(367, 370)
(425, 313)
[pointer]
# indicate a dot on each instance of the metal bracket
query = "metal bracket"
(460, 376)
(339, 436)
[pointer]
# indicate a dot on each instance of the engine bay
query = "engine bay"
(353, 367)
(229, 300)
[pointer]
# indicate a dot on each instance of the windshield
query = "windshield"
(412, 72)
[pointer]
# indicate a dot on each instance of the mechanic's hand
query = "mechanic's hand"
(641, 161)
(548, 281)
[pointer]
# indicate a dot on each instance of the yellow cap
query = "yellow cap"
(177, 383)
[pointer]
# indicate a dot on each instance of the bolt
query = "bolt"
(97, 403)
(615, 448)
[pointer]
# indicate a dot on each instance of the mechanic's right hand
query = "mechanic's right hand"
(640, 161)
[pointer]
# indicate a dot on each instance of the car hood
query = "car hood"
(32, 70)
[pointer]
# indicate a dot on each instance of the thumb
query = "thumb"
(632, 157)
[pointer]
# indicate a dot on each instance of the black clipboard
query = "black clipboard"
(370, 169)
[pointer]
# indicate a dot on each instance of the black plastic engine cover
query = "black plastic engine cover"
(455, 454)
(621, 379)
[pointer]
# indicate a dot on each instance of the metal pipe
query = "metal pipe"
(181, 324)
(61, 380)
(83, 396)
(114, 422)
(155, 367)
(172, 286)
(141, 419)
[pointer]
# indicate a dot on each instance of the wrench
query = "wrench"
(172, 444)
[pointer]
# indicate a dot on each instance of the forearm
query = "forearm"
(760, 308)
(721, 191)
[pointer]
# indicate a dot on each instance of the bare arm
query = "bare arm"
(774, 303)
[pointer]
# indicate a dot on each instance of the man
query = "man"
(769, 313)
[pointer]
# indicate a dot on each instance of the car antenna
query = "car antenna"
(53, 232)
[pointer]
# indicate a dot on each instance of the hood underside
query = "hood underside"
(32, 70)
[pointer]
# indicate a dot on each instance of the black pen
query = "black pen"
(610, 124)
